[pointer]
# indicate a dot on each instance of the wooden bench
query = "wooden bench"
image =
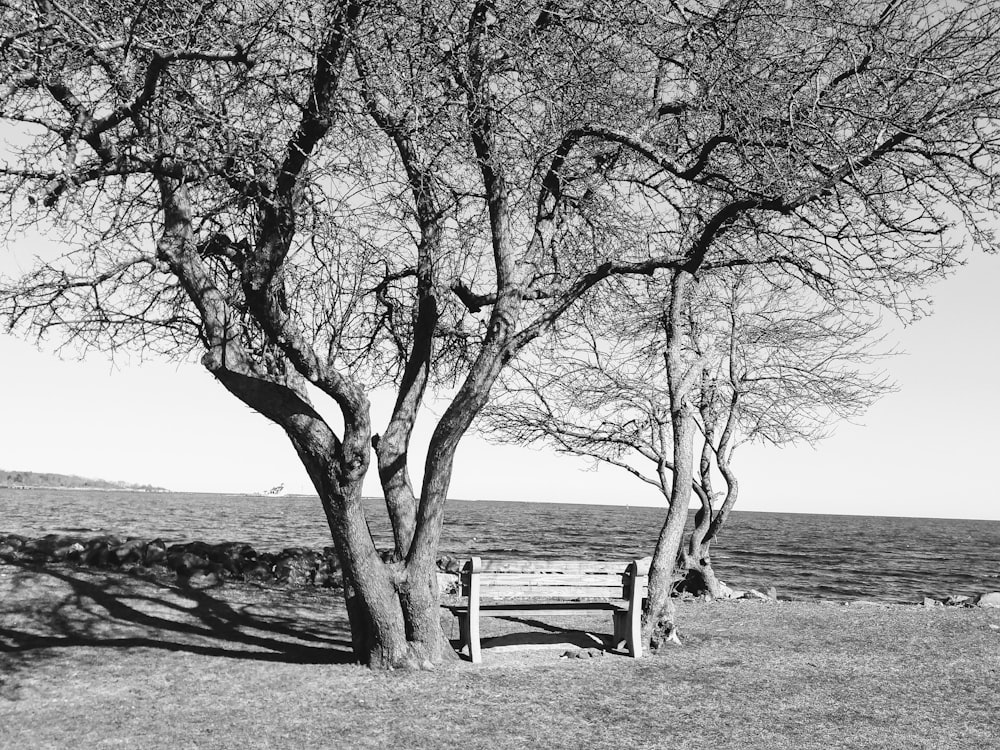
(512, 588)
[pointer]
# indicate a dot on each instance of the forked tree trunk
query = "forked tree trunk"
(699, 577)
(694, 563)
(393, 612)
(393, 608)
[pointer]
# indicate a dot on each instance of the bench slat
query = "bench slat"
(557, 593)
(551, 579)
(566, 566)
(512, 609)
(553, 592)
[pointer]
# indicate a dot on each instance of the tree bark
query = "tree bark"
(659, 615)
(694, 562)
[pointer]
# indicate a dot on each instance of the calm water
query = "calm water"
(803, 556)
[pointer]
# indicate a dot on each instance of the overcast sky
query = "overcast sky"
(928, 450)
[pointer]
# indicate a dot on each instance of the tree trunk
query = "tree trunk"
(659, 616)
(694, 562)
(394, 613)
(695, 567)
(378, 630)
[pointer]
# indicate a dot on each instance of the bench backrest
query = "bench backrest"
(554, 579)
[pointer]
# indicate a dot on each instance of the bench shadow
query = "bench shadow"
(544, 636)
(48, 610)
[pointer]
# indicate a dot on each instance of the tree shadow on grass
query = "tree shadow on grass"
(44, 611)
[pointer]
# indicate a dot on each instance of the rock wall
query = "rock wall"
(196, 562)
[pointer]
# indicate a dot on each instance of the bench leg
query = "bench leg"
(628, 632)
(620, 619)
(468, 625)
(463, 630)
(633, 634)
(474, 652)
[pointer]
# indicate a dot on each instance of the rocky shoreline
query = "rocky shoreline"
(199, 563)
(196, 563)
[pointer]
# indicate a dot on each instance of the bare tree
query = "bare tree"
(775, 364)
(324, 197)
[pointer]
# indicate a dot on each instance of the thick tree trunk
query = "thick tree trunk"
(378, 630)
(394, 613)
(393, 610)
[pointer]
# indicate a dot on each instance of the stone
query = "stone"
(259, 572)
(755, 594)
(98, 553)
(156, 552)
(219, 570)
(15, 541)
(322, 578)
(725, 592)
(929, 602)
(72, 551)
(299, 566)
(187, 563)
(958, 601)
(36, 550)
(231, 556)
(132, 551)
(48, 543)
(294, 571)
(202, 580)
(991, 599)
(142, 571)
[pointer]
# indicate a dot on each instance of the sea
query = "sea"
(804, 556)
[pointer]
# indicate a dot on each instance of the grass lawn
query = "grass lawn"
(90, 659)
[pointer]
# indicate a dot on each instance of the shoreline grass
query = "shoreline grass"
(101, 659)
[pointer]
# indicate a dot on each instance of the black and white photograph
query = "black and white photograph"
(544, 374)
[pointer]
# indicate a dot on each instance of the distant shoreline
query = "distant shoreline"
(81, 489)
(803, 511)
(19, 479)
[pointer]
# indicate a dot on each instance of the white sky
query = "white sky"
(928, 450)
